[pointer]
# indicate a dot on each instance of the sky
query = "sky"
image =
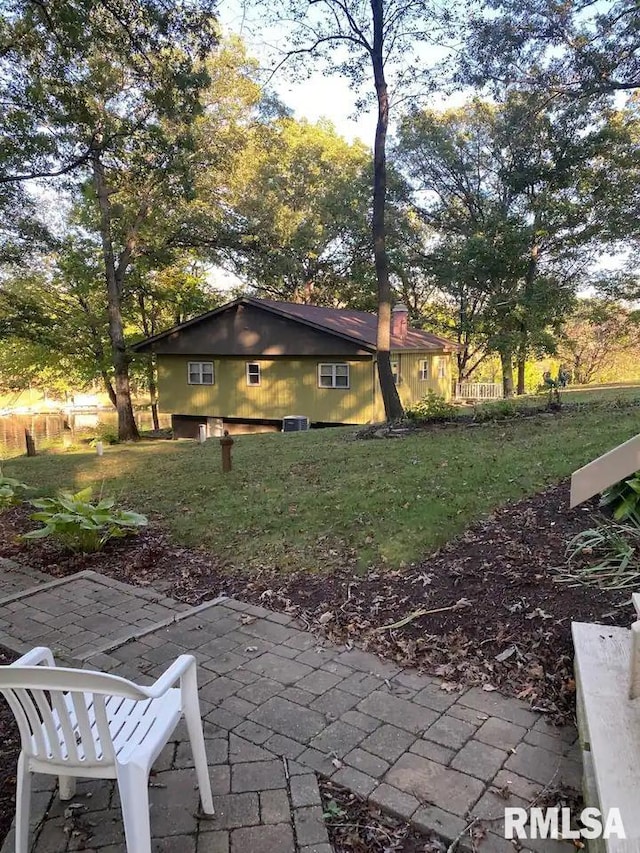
(317, 97)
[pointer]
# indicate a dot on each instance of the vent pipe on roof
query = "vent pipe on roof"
(399, 321)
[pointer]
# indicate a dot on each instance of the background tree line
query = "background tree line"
(141, 152)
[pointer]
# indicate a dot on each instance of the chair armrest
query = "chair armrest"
(39, 655)
(170, 676)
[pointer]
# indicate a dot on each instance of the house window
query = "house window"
(253, 373)
(442, 369)
(200, 373)
(424, 370)
(333, 375)
(395, 371)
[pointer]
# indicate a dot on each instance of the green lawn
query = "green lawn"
(313, 500)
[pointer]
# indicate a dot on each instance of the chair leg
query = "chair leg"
(194, 727)
(23, 805)
(66, 787)
(133, 784)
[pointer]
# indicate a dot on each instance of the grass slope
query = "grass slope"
(321, 499)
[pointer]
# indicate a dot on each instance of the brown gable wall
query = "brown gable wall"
(244, 330)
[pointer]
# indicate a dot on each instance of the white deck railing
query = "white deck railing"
(478, 390)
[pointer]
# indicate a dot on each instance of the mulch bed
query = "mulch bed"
(9, 750)
(499, 617)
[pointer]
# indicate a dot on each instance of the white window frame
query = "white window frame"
(250, 375)
(442, 369)
(424, 370)
(395, 363)
(196, 367)
(332, 373)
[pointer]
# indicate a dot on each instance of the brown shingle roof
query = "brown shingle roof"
(359, 325)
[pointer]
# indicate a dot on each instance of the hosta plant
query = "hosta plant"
(623, 499)
(10, 491)
(79, 523)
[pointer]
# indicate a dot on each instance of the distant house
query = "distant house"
(255, 361)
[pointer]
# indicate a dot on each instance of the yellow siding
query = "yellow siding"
(288, 387)
(410, 387)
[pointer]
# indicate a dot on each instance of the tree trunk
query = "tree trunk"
(127, 429)
(153, 391)
(109, 388)
(530, 277)
(506, 360)
(522, 361)
(392, 405)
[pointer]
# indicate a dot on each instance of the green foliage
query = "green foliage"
(623, 499)
(615, 546)
(333, 810)
(497, 410)
(432, 407)
(106, 433)
(80, 524)
(10, 489)
(508, 249)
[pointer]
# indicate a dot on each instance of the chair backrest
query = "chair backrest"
(61, 713)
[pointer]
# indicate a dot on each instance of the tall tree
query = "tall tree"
(368, 42)
(579, 48)
(597, 336)
(301, 196)
(106, 94)
(501, 187)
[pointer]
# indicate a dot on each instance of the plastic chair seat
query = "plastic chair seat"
(136, 727)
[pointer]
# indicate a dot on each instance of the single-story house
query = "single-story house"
(255, 361)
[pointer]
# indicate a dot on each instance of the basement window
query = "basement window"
(424, 371)
(200, 373)
(253, 373)
(333, 375)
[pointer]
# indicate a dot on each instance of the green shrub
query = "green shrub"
(623, 499)
(106, 433)
(497, 410)
(432, 407)
(9, 491)
(80, 524)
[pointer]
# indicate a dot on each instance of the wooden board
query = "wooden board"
(606, 470)
(612, 723)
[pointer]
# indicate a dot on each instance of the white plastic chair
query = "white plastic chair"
(78, 723)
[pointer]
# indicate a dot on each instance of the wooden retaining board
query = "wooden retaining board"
(609, 724)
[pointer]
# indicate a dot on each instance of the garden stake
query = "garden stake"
(226, 444)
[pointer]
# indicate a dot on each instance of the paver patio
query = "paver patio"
(279, 706)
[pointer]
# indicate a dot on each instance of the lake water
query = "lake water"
(48, 430)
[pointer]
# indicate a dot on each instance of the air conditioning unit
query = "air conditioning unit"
(294, 423)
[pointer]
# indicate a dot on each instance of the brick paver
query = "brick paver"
(15, 578)
(278, 705)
